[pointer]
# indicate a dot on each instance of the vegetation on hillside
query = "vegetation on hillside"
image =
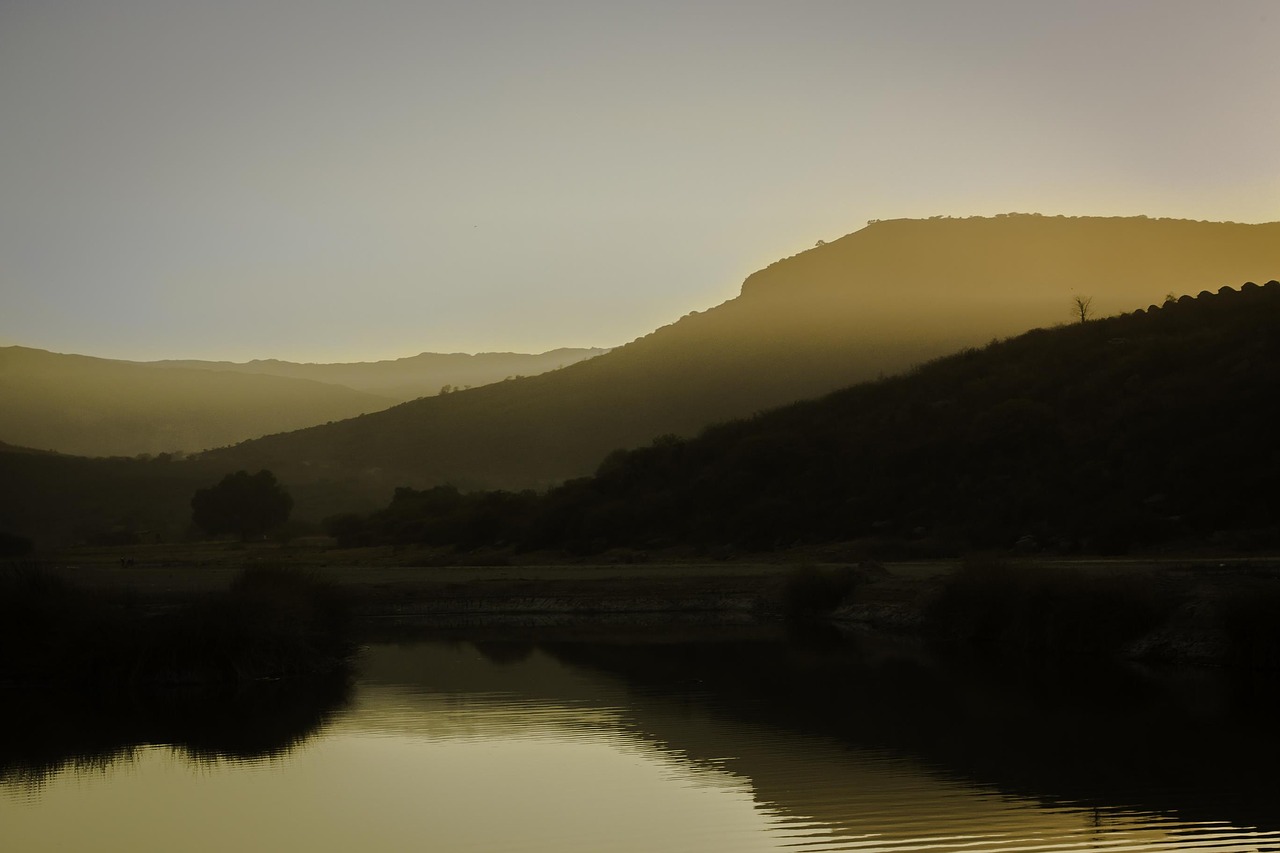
(1141, 430)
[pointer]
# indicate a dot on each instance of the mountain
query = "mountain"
(408, 378)
(1148, 428)
(101, 407)
(873, 302)
(104, 407)
(1139, 430)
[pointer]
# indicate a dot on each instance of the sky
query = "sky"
(324, 180)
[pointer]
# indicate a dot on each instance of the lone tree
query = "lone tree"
(243, 503)
(1082, 307)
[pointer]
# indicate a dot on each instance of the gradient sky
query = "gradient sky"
(327, 181)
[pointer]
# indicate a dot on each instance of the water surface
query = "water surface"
(746, 744)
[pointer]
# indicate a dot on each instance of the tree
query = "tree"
(1082, 307)
(243, 503)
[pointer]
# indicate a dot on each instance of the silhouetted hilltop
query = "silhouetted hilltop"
(1137, 430)
(5, 447)
(876, 301)
(408, 378)
(102, 407)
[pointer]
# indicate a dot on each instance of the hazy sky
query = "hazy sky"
(323, 180)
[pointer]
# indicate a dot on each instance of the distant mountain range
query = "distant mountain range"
(401, 379)
(104, 407)
(876, 301)
(882, 299)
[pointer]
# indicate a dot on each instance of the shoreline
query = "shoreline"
(1196, 599)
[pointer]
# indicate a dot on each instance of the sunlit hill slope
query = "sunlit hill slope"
(878, 300)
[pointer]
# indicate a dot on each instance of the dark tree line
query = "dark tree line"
(245, 504)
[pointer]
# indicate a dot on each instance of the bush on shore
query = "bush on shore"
(1030, 611)
(270, 623)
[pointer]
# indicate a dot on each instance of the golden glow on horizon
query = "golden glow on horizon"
(375, 182)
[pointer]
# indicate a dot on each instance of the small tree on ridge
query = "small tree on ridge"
(1082, 307)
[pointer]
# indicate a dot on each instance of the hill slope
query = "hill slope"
(878, 300)
(105, 407)
(102, 407)
(1139, 429)
(1152, 427)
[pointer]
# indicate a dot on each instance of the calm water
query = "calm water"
(753, 743)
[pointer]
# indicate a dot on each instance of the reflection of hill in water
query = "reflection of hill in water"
(1105, 739)
(835, 740)
(43, 731)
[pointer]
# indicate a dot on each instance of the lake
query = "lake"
(656, 739)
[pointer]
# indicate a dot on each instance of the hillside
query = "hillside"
(101, 407)
(876, 301)
(408, 378)
(1152, 428)
(105, 407)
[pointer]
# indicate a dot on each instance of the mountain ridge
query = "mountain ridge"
(1154, 425)
(95, 406)
(1137, 430)
(408, 377)
(876, 301)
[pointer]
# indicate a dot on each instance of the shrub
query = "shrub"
(271, 623)
(809, 592)
(1030, 611)
(1251, 619)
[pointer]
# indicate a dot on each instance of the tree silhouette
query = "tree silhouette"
(1082, 306)
(242, 503)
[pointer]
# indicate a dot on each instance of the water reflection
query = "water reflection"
(44, 731)
(749, 743)
(1199, 746)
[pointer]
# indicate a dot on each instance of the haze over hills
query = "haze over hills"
(876, 301)
(105, 407)
(1139, 430)
(408, 378)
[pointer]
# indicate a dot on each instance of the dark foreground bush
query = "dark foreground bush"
(1031, 611)
(271, 623)
(809, 592)
(1251, 619)
(13, 545)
